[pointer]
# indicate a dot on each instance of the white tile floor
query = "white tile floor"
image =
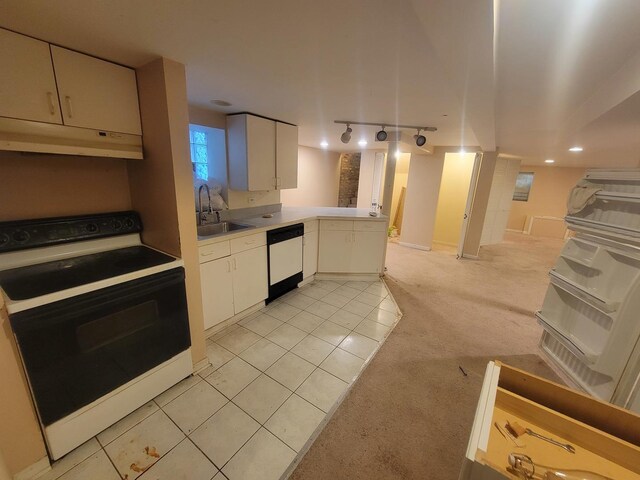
(274, 378)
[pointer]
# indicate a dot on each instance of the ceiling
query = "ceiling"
(529, 77)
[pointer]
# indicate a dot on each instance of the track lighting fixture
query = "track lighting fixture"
(381, 135)
(346, 136)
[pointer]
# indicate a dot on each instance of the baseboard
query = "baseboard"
(415, 245)
(354, 277)
(201, 365)
(472, 257)
(35, 470)
(513, 231)
(307, 280)
(210, 332)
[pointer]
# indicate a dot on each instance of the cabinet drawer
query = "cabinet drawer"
(249, 241)
(606, 438)
(311, 226)
(214, 251)
(369, 226)
(336, 225)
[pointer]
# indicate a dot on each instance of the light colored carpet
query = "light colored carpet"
(410, 413)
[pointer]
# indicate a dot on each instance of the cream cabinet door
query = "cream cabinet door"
(96, 94)
(261, 153)
(368, 250)
(310, 254)
(250, 282)
(334, 251)
(216, 280)
(286, 155)
(27, 84)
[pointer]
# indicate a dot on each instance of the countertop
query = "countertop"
(291, 215)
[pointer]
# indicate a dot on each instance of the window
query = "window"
(199, 153)
(523, 186)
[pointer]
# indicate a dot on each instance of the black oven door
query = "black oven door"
(79, 349)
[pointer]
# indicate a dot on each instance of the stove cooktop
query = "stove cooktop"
(32, 281)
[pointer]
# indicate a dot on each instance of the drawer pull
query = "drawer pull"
(249, 242)
(207, 254)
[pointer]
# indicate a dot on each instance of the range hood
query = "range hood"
(28, 136)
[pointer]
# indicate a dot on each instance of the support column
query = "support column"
(389, 178)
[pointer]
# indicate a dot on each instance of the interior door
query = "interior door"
(467, 211)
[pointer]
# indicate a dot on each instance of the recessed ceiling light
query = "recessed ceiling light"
(549, 160)
(362, 143)
(221, 103)
(576, 149)
(324, 144)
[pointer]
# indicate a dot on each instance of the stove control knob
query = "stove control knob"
(4, 239)
(20, 236)
(128, 223)
(117, 225)
(92, 228)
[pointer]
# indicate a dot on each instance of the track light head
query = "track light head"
(346, 135)
(420, 139)
(381, 135)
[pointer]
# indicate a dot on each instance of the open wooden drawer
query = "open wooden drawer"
(606, 438)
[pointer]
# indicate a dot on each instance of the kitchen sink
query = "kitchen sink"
(221, 227)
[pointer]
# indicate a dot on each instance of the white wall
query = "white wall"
(423, 187)
(318, 179)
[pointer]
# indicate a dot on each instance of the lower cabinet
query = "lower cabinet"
(216, 279)
(250, 280)
(309, 254)
(351, 246)
(232, 284)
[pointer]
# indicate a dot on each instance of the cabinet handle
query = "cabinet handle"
(52, 107)
(228, 266)
(207, 254)
(69, 106)
(235, 264)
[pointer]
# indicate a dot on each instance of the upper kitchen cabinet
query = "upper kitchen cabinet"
(27, 83)
(262, 153)
(286, 155)
(96, 94)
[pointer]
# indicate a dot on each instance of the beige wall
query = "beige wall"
(318, 179)
(452, 200)
(423, 187)
(400, 181)
(548, 196)
(39, 185)
(162, 185)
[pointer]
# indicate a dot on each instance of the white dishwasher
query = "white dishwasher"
(285, 259)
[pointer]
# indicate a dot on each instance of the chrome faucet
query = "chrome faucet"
(202, 216)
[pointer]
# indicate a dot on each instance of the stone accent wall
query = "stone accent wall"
(349, 178)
